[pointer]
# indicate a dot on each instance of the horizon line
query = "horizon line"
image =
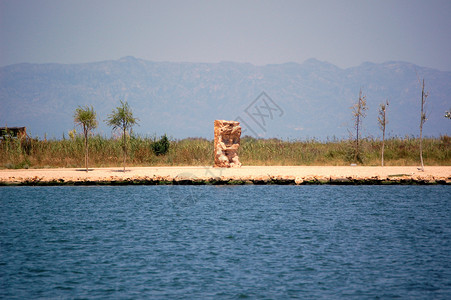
(131, 57)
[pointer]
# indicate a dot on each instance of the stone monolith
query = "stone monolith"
(227, 142)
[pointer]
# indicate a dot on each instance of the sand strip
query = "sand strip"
(243, 175)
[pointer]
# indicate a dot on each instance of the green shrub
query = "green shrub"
(161, 147)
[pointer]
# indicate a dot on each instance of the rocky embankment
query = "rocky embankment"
(294, 175)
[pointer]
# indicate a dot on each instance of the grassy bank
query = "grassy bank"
(199, 152)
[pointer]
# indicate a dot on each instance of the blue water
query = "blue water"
(225, 242)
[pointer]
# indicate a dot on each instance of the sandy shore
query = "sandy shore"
(243, 175)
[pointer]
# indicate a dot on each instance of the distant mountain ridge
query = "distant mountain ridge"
(308, 100)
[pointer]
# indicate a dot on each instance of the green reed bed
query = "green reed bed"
(107, 152)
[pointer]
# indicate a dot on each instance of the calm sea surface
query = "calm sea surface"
(225, 242)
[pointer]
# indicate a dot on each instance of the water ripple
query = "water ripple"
(225, 242)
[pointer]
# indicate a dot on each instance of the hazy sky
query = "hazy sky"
(345, 33)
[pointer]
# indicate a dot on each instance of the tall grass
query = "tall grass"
(107, 152)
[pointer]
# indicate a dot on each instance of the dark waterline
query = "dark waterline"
(225, 242)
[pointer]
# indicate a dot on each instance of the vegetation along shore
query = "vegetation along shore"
(69, 152)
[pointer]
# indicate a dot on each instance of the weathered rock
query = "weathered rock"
(261, 179)
(298, 180)
(322, 179)
(227, 142)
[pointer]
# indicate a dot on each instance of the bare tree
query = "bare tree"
(423, 119)
(382, 119)
(86, 118)
(358, 112)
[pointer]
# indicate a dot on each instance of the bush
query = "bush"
(161, 147)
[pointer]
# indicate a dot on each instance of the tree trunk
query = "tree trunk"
(421, 147)
(86, 147)
(125, 149)
(383, 142)
(422, 120)
(356, 156)
(383, 131)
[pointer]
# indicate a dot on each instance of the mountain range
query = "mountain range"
(289, 101)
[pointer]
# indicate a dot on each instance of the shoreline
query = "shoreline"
(205, 175)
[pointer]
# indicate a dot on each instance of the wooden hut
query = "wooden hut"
(16, 132)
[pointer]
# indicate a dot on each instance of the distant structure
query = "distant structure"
(227, 142)
(17, 132)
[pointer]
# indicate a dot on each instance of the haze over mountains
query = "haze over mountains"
(299, 101)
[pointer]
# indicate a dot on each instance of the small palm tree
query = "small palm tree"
(86, 118)
(122, 118)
